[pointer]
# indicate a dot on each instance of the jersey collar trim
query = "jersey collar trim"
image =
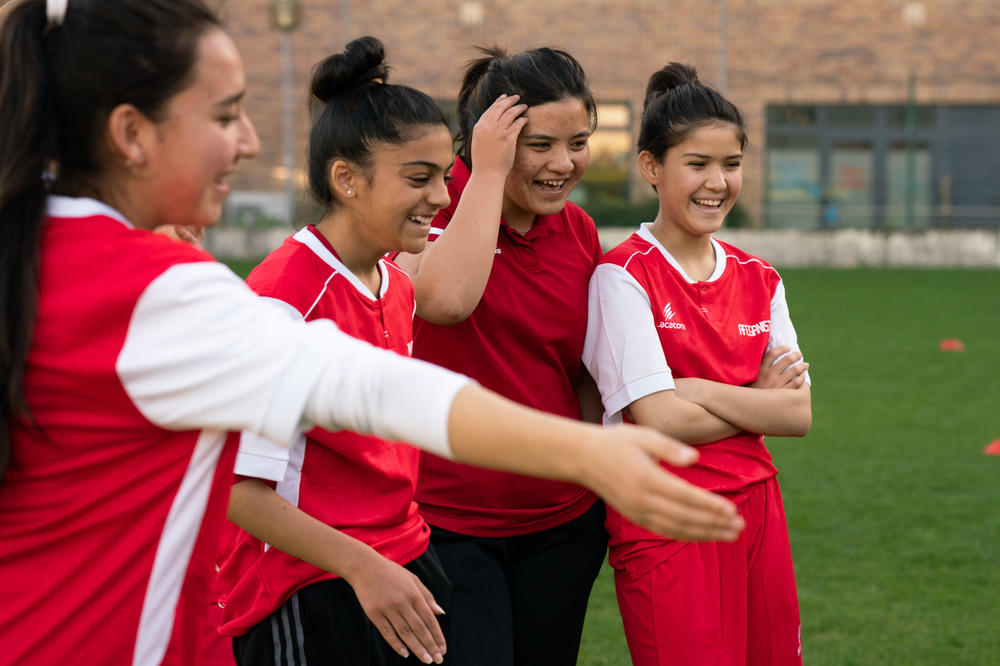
(720, 255)
(314, 240)
(76, 207)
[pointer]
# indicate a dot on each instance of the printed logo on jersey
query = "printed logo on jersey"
(497, 251)
(668, 314)
(751, 330)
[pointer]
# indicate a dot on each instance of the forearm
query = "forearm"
(452, 273)
(672, 415)
(781, 412)
(258, 509)
(488, 430)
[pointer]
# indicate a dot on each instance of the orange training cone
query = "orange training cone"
(993, 448)
(951, 344)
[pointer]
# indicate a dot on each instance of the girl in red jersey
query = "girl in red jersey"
(502, 296)
(127, 355)
(379, 159)
(692, 336)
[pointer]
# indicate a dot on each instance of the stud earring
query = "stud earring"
(350, 193)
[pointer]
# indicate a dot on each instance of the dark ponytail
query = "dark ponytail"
(359, 108)
(677, 103)
(539, 76)
(27, 144)
(57, 85)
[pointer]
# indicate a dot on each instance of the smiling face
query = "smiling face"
(552, 155)
(404, 187)
(198, 143)
(697, 180)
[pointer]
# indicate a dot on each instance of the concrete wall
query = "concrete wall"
(846, 248)
(853, 247)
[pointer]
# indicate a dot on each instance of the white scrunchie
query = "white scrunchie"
(55, 11)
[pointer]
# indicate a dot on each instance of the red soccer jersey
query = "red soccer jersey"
(106, 519)
(362, 485)
(524, 341)
(717, 329)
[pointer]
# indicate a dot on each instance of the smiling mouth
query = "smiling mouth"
(422, 220)
(550, 185)
(708, 203)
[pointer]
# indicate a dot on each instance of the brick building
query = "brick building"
(882, 114)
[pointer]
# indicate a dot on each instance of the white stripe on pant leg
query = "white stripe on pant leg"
(286, 626)
(300, 641)
(276, 639)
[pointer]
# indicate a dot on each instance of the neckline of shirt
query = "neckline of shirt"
(720, 255)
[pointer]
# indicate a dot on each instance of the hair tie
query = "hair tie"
(55, 11)
(378, 79)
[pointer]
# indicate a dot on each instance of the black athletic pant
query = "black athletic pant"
(521, 600)
(324, 624)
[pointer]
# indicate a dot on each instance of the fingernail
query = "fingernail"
(438, 659)
(404, 653)
(426, 659)
(437, 609)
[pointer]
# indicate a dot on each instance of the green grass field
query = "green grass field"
(893, 509)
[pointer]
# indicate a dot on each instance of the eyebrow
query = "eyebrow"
(708, 157)
(232, 99)
(428, 164)
(548, 137)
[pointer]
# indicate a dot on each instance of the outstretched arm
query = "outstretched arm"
(289, 376)
(779, 403)
(450, 275)
(619, 463)
(394, 599)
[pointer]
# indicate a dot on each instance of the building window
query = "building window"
(882, 167)
(793, 181)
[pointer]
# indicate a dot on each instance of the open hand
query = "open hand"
(494, 138)
(630, 479)
(401, 608)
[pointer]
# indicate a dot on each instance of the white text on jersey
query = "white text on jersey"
(751, 330)
(668, 314)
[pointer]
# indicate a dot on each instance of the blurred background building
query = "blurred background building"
(881, 115)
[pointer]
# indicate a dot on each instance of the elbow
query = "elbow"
(443, 314)
(444, 311)
(800, 428)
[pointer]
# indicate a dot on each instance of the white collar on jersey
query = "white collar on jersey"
(306, 236)
(720, 254)
(60, 206)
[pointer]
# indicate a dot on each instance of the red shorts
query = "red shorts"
(723, 604)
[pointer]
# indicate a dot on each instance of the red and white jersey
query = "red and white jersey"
(145, 352)
(524, 341)
(361, 485)
(650, 322)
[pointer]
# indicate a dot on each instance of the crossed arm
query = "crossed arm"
(699, 411)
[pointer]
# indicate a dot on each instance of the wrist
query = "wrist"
(588, 466)
(488, 175)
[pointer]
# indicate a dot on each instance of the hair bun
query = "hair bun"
(670, 77)
(361, 64)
